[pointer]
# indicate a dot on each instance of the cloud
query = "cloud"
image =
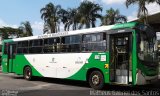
(37, 27)
(108, 2)
(61, 27)
(4, 24)
(89, 0)
(132, 16)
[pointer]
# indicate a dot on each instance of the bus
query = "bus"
(124, 54)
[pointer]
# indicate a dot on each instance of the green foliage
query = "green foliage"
(50, 16)
(89, 12)
(26, 29)
(23, 31)
(112, 17)
(69, 17)
(86, 14)
(8, 31)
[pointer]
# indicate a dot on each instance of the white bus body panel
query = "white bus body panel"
(58, 65)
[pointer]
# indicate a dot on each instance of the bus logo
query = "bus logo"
(53, 61)
(79, 61)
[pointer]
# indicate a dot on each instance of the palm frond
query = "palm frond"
(130, 2)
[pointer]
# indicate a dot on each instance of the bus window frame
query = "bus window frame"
(102, 34)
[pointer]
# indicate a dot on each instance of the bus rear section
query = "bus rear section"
(8, 57)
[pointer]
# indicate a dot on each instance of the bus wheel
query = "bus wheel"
(27, 73)
(96, 80)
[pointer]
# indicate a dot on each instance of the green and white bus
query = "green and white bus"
(116, 54)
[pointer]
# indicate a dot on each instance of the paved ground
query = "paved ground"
(12, 84)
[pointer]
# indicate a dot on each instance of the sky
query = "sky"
(13, 12)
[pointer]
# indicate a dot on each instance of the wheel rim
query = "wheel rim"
(95, 79)
(28, 73)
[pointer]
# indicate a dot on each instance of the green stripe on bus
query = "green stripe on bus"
(134, 58)
(20, 62)
(125, 25)
(93, 63)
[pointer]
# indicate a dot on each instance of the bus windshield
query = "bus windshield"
(147, 47)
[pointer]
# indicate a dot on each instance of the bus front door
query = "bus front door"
(120, 58)
(11, 57)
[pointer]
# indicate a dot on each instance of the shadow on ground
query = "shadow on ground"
(150, 87)
(60, 81)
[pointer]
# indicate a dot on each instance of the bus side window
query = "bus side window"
(5, 48)
(71, 43)
(14, 49)
(45, 46)
(19, 48)
(65, 41)
(94, 42)
(75, 43)
(25, 46)
(22, 47)
(35, 46)
(51, 45)
(85, 42)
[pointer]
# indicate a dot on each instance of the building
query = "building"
(154, 21)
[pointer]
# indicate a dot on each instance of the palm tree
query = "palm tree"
(89, 12)
(46, 29)
(27, 29)
(112, 17)
(142, 10)
(63, 14)
(50, 16)
(70, 17)
(20, 31)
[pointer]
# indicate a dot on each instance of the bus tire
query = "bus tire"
(96, 80)
(27, 73)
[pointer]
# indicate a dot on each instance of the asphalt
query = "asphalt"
(11, 83)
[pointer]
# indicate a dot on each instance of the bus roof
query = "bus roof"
(74, 32)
